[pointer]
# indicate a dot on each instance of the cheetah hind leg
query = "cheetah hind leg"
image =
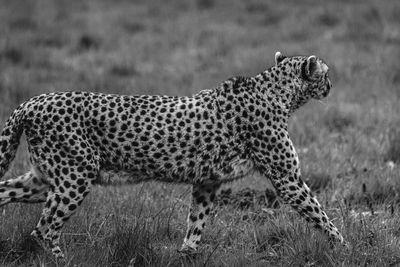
(61, 203)
(27, 188)
(203, 197)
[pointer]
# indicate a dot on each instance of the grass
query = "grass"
(349, 144)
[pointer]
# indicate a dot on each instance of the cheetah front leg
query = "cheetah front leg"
(203, 197)
(279, 162)
(294, 191)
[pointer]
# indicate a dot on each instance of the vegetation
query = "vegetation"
(349, 144)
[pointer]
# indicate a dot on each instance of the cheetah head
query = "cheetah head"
(311, 71)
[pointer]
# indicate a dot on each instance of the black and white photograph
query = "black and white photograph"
(199, 133)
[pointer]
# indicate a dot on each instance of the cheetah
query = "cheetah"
(213, 137)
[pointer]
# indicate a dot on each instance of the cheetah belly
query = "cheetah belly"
(235, 169)
(111, 177)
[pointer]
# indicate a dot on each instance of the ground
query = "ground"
(349, 144)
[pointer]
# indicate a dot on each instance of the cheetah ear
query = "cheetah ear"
(279, 57)
(310, 67)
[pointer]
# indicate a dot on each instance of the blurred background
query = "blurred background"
(349, 144)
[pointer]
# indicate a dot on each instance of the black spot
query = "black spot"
(193, 218)
(200, 199)
(65, 171)
(59, 213)
(168, 165)
(65, 200)
(82, 189)
(310, 209)
(212, 197)
(72, 207)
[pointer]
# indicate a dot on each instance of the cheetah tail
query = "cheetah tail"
(9, 138)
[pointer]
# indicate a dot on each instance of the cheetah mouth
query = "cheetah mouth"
(324, 92)
(328, 87)
(321, 95)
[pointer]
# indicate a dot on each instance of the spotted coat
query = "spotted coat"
(77, 139)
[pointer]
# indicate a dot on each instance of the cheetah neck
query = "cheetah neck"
(282, 89)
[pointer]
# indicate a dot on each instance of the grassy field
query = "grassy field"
(349, 144)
